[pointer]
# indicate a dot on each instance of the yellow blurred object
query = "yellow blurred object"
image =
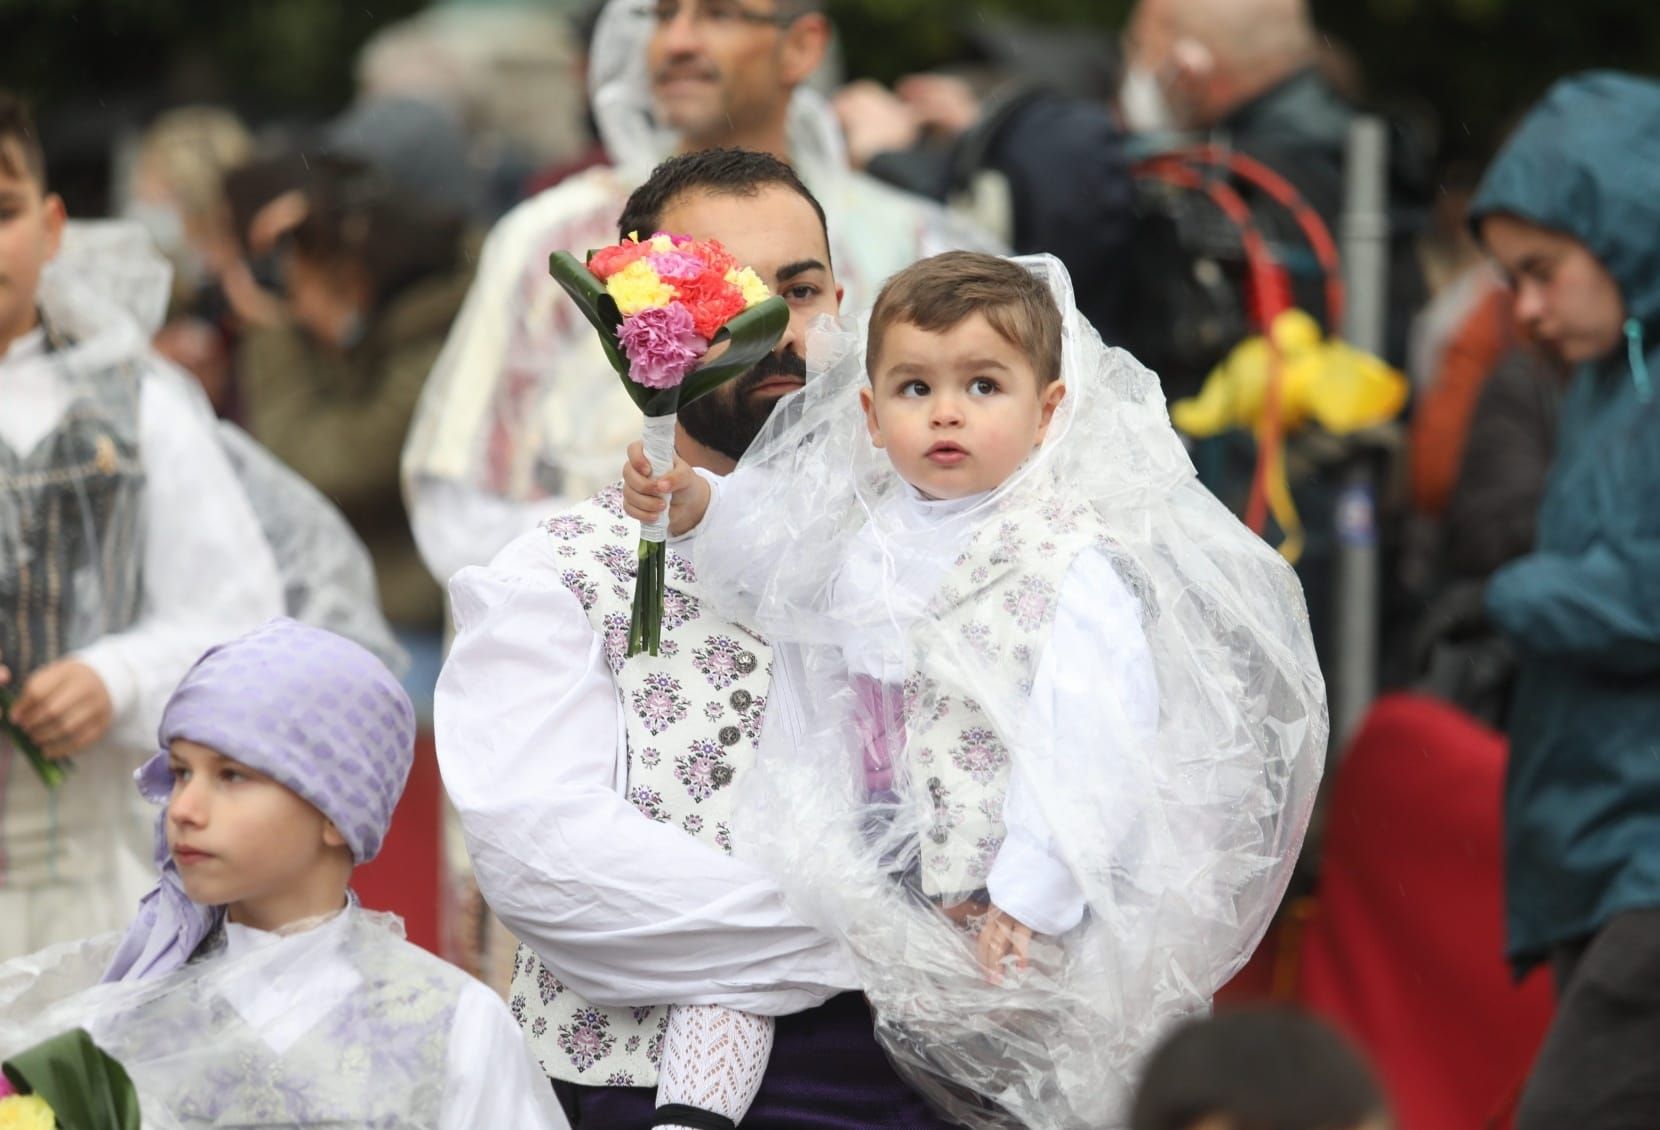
(26, 1112)
(1341, 388)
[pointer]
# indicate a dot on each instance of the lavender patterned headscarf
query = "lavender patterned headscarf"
(311, 710)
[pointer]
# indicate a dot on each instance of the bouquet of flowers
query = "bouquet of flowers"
(67, 1083)
(51, 772)
(663, 308)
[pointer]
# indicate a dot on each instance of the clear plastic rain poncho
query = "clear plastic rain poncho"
(104, 295)
(343, 1024)
(70, 535)
(1179, 825)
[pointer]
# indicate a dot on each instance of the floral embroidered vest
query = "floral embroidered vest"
(997, 606)
(693, 718)
(377, 1058)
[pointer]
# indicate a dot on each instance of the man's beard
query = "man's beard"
(728, 419)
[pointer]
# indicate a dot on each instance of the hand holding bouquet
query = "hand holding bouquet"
(662, 306)
(51, 773)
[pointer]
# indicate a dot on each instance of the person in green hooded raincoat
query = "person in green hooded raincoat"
(1570, 210)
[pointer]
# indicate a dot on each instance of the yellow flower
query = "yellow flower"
(745, 279)
(26, 1112)
(661, 243)
(636, 287)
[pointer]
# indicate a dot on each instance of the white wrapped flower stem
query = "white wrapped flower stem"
(646, 625)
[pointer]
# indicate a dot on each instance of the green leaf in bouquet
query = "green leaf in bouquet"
(86, 1088)
(601, 311)
(51, 773)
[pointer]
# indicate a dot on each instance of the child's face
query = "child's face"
(956, 411)
(243, 841)
(31, 225)
(1565, 299)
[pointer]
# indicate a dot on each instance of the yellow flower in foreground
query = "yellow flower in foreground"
(26, 1112)
(661, 243)
(745, 279)
(636, 287)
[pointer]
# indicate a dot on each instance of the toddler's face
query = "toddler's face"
(957, 411)
(239, 838)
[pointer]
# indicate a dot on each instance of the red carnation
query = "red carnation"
(711, 252)
(712, 302)
(607, 261)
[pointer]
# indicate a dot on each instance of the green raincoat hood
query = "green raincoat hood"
(1586, 161)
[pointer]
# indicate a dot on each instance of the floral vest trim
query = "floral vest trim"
(997, 605)
(693, 719)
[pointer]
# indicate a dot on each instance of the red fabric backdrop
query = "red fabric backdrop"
(407, 876)
(1404, 951)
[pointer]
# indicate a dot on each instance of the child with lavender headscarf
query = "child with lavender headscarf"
(252, 989)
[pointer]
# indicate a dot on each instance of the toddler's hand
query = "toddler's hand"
(643, 495)
(64, 707)
(1002, 935)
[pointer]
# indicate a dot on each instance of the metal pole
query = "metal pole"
(1365, 238)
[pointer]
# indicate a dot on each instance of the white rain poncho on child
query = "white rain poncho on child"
(131, 528)
(1094, 664)
(339, 1024)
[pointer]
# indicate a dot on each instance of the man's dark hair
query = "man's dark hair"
(720, 172)
(1257, 1069)
(20, 152)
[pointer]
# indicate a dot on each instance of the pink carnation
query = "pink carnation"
(661, 345)
(673, 266)
(6, 1088)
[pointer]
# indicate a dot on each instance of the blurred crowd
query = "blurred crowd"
(1196, 174)
(318, 265)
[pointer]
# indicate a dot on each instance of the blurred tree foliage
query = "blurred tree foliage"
(291, 55)
(1465, 66)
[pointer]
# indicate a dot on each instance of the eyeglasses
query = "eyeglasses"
(717, 13)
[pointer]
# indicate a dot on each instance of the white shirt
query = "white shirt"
(490, 1077)
(531, 745)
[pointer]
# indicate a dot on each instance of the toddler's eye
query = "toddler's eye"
(914, 388)
(983, 386)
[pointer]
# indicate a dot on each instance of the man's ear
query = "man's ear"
(868, 403)
(1051, 400)
(803, 48)
(54, 215)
